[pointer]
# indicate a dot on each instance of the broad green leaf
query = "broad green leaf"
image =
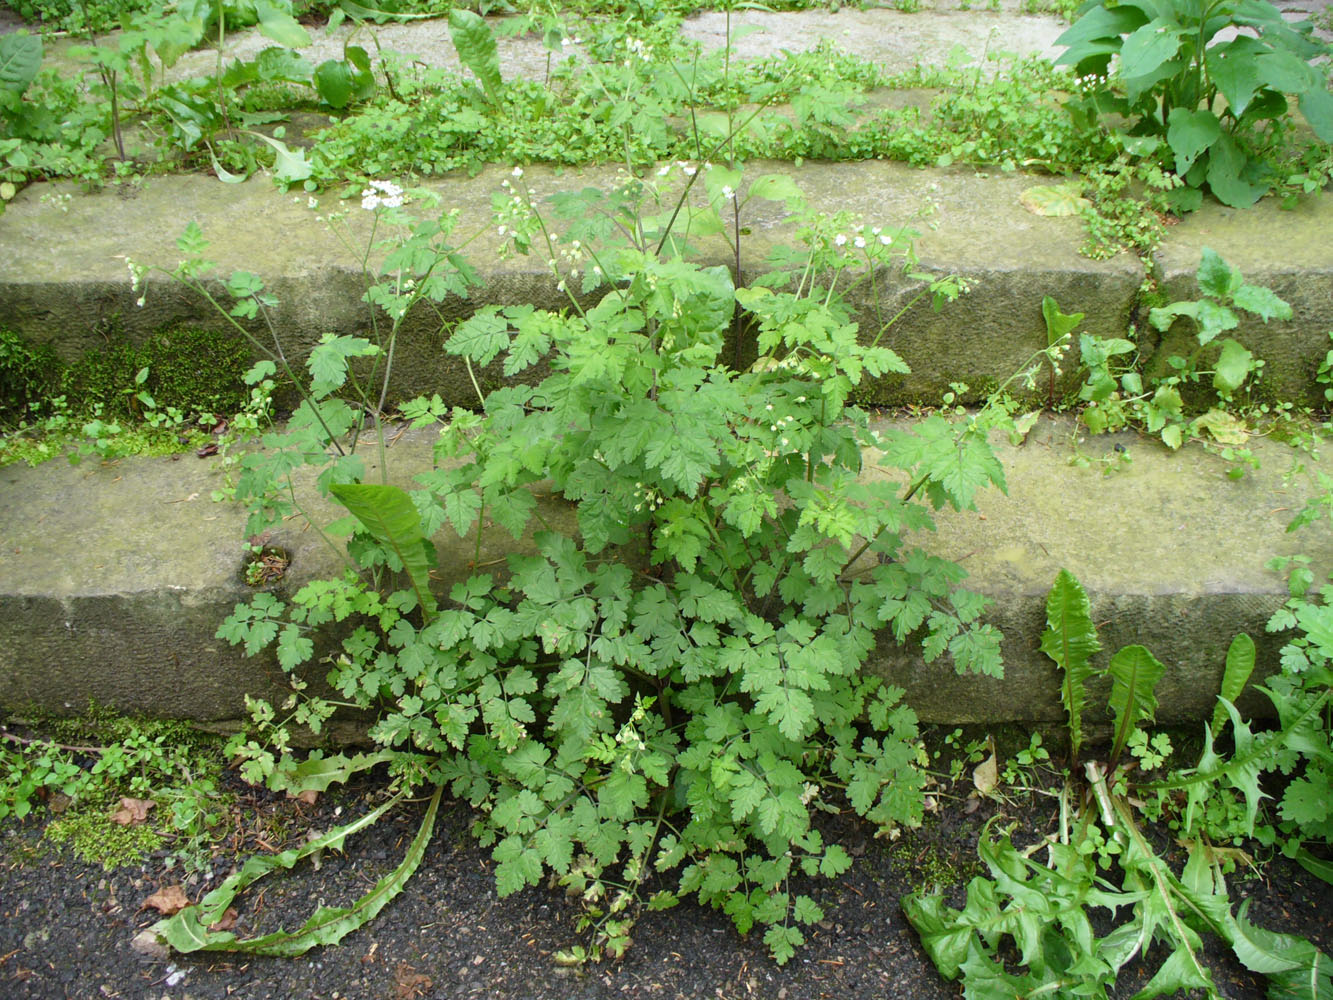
(1070, 640)
(1266, 951)
(222, 173)
(1316, 104)
(776, 187)
(1233, 367)
(1133, 699)
(1315, 866)
(20, 58)
(1226, 163)
(1189, 133)
(1240, 664)
(289, 166)
(389, 514)
(333, 81)
(275, 63)
(1058, 324)
(1148, 48)
(1232, 67)
(476, 48)
(317, 772)
(1263, 302)
(1286, 72)
(945, 937)
(1100, 22)
(1215, 276)
(280, 26)
(188, 931)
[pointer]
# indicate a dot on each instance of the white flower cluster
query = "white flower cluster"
(636, 47)
(381, 194)
(513, 215)
(647, 497)
(866, 236)
(137, 272)
(684, 166)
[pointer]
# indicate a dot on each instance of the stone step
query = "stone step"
(115, 576)
(65, 278)
(65, 281)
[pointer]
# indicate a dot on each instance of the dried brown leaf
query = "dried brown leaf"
(168, 900)
(408, 983)
(227, 920)
(132, 812)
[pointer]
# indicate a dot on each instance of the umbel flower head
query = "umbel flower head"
(381, 194)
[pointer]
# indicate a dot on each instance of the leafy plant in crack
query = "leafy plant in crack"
(666, 695)
(1120, 391)
(1043, 908)
(1208, 107)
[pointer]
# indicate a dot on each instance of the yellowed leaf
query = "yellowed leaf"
(1224, 427)
(986, 775)
(1055, 200)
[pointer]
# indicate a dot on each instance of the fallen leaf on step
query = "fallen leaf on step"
(987, 775)
(227, 921)
(132, 812)
(168, 900)
(408, 983)
(1054, 200)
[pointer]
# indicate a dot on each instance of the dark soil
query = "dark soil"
(66, 927)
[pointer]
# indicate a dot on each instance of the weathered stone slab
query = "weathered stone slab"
(116, 576)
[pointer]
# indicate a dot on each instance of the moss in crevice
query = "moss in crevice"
(195, 371)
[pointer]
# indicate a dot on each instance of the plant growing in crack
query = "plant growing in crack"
(1043, 907)
(675, 687)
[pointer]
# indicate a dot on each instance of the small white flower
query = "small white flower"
(689, 170)
(312, 202)
(876, 231)
(859, 243)
(840, 240)
(728, 192)
(664, 171)
(886, 240)
(516, 172)
(369, 200)
(502, 230)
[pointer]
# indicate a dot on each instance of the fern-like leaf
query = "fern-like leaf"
(1134, 676)
(1240, 664)
(1071, 640)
